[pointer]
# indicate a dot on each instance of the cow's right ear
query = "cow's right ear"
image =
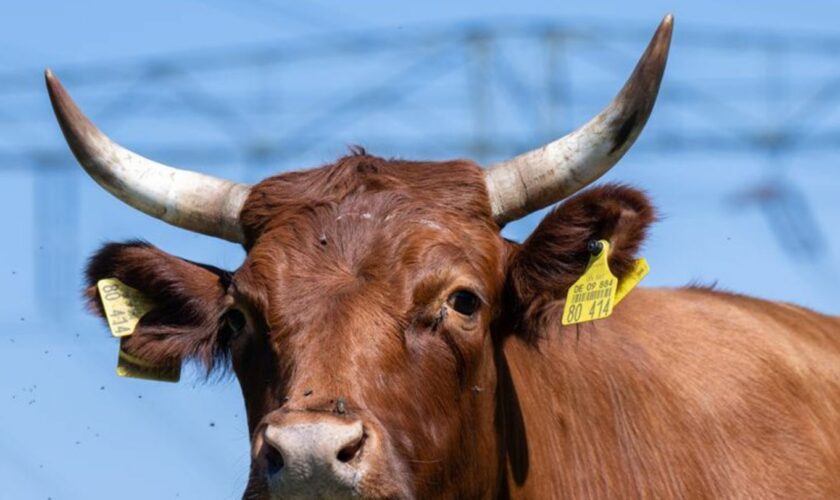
(543, 268)
(189, 303)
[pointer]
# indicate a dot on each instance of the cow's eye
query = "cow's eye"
(464, 302)
(235, 320)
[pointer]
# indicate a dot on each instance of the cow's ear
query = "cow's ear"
(189, 303)
(555, 255)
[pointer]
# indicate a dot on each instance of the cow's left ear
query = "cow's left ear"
(189, 303)
(541, 271)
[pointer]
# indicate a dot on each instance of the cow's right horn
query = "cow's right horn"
(189, 200)
(546, 175)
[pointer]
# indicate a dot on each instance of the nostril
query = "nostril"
(351, 450)
(273, 460)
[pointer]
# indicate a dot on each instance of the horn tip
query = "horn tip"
(49, 77)
(53, 84)
(666, 27)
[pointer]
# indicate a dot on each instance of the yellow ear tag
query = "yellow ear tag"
(134, 367)
(639, 271)
(592, 296)
(124, 306)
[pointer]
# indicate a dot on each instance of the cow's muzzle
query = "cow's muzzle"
(306, 454)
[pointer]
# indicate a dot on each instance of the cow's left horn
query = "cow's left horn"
(189, 200)
(546, 175)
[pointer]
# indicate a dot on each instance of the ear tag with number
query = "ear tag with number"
(593, 295)
(124, 306)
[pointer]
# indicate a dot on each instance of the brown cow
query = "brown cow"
(390, 343)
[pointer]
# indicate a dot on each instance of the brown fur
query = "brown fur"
(681, 393)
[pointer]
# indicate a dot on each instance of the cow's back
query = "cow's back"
(680, 393)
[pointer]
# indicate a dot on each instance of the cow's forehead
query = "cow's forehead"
(368, 226)
(432, 189)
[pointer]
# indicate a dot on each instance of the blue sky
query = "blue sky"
(72, 430)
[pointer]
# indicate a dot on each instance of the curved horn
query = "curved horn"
(189, 200)
(546, 175)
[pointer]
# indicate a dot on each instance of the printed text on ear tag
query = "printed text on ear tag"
(592, 296)
(124, 306)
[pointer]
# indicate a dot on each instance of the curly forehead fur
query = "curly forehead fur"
(410, 190)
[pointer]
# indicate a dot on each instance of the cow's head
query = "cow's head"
(364, 324)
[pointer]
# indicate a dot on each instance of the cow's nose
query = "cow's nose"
(323, 456)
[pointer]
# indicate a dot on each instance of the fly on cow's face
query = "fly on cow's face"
(438, 320)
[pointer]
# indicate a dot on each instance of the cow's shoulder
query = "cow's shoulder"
(696, 384)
